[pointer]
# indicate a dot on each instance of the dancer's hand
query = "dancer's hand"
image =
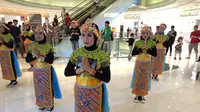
(79, 70)
(35, 53)
(86, 66)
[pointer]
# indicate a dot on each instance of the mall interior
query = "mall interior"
(121, 82)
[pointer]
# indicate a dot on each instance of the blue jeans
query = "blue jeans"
(75, 44)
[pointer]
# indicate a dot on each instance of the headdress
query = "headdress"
(87, 26)
(28, 23)
(163, 25)
(39, 28)
(4, 25)
(146, 28)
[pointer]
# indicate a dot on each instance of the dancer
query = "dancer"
(28, 35)
(8, 58)
(159, 61)
(178, 47)
(141, 80)
(91, 66)
(46, 84)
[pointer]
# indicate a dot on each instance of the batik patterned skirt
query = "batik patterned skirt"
(158, 62)
(9, 65)
(141, 80)
(91, 99)
(46, 86)
(43, 87)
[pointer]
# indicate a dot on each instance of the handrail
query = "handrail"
(70, 10)
(78, 11)
(88, 9)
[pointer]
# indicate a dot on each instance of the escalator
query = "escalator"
(99, 16)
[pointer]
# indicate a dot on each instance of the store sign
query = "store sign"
(189, 13)
(131, 16)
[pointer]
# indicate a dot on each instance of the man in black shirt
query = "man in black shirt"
(172, 35)
(74, 33)
(130, 44)
(15, 32)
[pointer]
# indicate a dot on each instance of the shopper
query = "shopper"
(67, 23)
(48, 30)
(63, 15)
(130, 44)
(15, 32)
(178, 47)
(144, 49)
(157, 30)
(74, 33)
(91, 66)
(172, 36)
(194, 36)
(56, 32)
(158, 62)
(107, 32)
(8, 59)
(55, 19)
(46, 84)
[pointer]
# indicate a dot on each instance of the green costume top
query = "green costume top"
(143, 51)
(100, 56)
(7, 38)
(43, 49)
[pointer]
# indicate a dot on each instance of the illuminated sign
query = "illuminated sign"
(131, 16)
(189, 13)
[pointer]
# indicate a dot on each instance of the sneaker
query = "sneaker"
(179, 58)
(136, 100)
(50, 109)
(12, 84)
(41, 109)
(187, 58)
(156, 79)
(174, 58)
(30, 69)
(9, 84)
(198, 60)
(142, 100)
(153, 78)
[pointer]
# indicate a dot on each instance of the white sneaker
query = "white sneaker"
(136, 100)
(12, 84)
(156, 79)
(143, 100)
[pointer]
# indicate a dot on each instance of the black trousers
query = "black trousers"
(169, 47)
(19, 47)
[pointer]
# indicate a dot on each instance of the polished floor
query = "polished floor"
(177, 90)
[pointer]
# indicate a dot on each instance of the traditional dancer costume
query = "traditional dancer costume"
(141, 79)
(159, 61)
(8, 58)
(28, 35)
(46, 84)
(91, 66)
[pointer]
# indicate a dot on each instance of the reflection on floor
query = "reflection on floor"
(177, 90)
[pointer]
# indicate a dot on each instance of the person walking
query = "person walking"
(107, 32)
